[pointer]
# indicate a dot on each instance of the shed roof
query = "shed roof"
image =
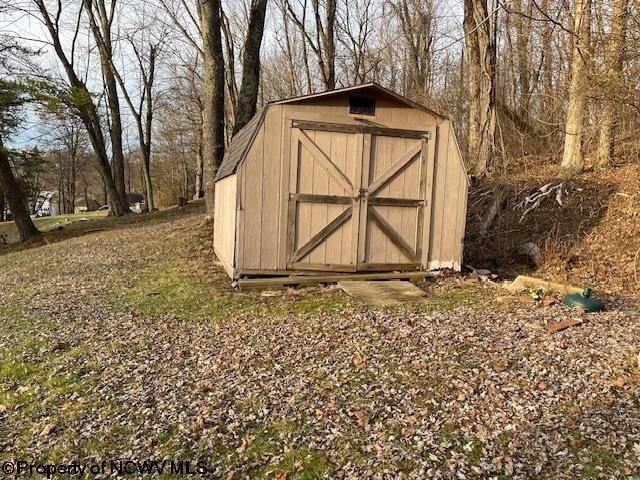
(240, 144)
(242, 141)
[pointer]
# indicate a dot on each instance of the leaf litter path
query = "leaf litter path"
(114, 345)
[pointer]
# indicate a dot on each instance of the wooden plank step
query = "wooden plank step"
(306, 280)
(388, 292)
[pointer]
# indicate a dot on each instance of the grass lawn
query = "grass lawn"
(122, 338)
(45, 224)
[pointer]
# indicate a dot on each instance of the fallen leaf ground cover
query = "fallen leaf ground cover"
(130, 343)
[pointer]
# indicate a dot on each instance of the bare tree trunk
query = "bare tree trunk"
(248, 96)
(199, 167)
(613, 67)
(572, 158)
(548, 104)
(479, 25)
(26, 228)
(523, 35)
(102, 34)
(185, 178)
(3, 205)
(213, 96)
(230, 68)
(328, 40)
(145, 135)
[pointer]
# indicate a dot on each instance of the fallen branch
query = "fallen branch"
(533, 201)
(635, 271)
(497, 205)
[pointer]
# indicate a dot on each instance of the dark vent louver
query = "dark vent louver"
(362, 106)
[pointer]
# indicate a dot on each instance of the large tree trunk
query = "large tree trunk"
(3, 205)
(145, 150)
(330, 45)
(26, 228)
(572, 158)
(199, 168)
(248, 97)
(115, 132)
(479, 26)
(213, 96)
(103, 38)
(613, 73)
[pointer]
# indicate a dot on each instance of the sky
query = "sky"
(30, 30)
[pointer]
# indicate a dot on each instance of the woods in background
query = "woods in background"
(160, 87)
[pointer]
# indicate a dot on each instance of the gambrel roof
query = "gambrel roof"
(241, 142)
(240, 145)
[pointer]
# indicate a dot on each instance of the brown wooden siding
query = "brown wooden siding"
(449, 203)
(224, 226)
(264, 185)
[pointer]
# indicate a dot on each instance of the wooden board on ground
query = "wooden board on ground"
(306, 280)
(523, 282)
(383, 292)
(563, 325)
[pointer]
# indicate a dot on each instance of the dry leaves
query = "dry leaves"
(353, 393)
(48, 428)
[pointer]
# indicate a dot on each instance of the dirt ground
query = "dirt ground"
(125, 341)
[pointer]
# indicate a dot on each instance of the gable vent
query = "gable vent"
(362, 106)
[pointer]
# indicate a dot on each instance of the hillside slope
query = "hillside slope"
(593, 238)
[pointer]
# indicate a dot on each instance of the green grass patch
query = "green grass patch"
(167, 289)
(39, 386)
(595, 460)
(46, 224)
(300, 464)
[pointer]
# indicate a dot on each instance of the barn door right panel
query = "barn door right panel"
(393, 197)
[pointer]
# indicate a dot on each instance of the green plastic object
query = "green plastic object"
(585, 301)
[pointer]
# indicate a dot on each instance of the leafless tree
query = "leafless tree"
(321, 37)
(480, 31)
(613, 76)
(573, 156)
(213, 96)
(81, 100)
(102, 16)
(248, 96)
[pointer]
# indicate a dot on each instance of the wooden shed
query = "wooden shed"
(356, 179)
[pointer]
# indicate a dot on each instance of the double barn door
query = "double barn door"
(357, 197)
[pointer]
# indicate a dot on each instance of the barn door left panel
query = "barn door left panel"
(325, 176)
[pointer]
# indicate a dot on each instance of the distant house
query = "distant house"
(136, 202)
(82, 205)
(47, 204)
